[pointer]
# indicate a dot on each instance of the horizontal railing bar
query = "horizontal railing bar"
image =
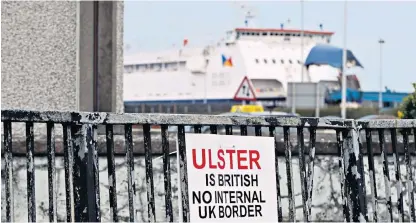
(167, 119)
(386, 123)
(189, 119)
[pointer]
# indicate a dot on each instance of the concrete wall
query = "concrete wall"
(326, 198)
(47, 55)
(39, 55)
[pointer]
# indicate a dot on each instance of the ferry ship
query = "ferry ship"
(265, 59)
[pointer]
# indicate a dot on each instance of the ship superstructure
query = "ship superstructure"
(269, 58)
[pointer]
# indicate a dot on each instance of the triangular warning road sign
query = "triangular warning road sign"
(245, 91)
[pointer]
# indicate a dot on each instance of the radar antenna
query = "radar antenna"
(249, 13)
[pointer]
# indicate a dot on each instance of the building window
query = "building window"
(264, 34)
(290, 61)
(299, 62)
(273, 60)
(265, 61)
(282, 61)
(257, 60)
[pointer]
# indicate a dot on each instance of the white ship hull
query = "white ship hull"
(214, 74)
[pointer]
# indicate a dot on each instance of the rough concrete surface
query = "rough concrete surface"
(39, 55)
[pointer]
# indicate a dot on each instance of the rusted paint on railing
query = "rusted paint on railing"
(8, 159)
(243, 130)
(372, 174)
(167, 174)
(81, 161)
(112, 189)
(183, 174)
(131, 182)
(272, 133)
(387, 183)
(410, 182)
(311, 165)
(69, 173)
(398, 182)
(342, 173)
(167, 119)
(213, 129)
(302, 171)
(353, 176)
(289, 174)
(149, 174)
(30, 146)
(52, 190)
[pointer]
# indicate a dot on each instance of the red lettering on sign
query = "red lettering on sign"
(211, 165)
(254, 158)
(221, 161)
(231, 152)
(196, 165)
(246, 159)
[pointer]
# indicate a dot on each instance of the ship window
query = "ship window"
(171, 66)
(282, 61)
(290, 61)
(141, 67)
(158, 67)
(265, 61)
(257, 60)
(299, 62)
(273, 60)
(287, 37)
(128, 69)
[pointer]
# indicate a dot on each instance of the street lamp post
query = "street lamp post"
(301, 38)
(380, 94)
(301, 58)
(343, 68)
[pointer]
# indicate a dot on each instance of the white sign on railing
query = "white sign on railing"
(231, 178)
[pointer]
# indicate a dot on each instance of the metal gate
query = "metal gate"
(80, 141)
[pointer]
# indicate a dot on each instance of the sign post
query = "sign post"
(245, 92)
(231, 178)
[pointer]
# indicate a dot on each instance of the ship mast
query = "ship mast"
(249, 14)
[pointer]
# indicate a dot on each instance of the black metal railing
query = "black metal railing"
(82, 178)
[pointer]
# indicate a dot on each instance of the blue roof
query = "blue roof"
(330, 55)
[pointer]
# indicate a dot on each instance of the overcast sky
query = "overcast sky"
(155, 25)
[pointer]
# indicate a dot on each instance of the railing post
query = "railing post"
(86, 184)
(353, 178)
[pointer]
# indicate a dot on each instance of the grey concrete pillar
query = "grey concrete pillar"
(48, 51)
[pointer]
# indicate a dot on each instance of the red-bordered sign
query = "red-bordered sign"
(245, 92)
